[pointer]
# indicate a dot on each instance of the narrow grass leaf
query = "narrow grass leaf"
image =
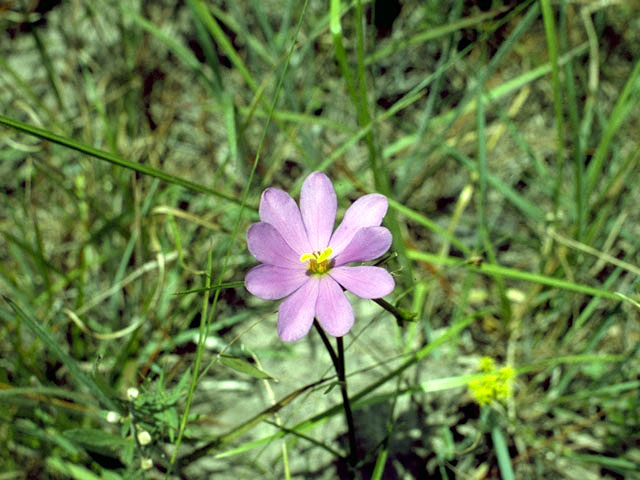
(182, 52)
(309, 439)
(381, 461)
(531, 210)
(37, 256)
(578, 140)
(502, 453)
(204, 40)
(243, 366)
(95, 438)
(430, 33)
(113, 158)
(27, 89)
(70, 470)
(429, 224)
(223, 42)
(340, 53)
(244, 32)
(230, 124)
(552, 47)
(53, 345)
(219, 286)
(490, 269)
(624, 105)
(48, 66)
(615, 463)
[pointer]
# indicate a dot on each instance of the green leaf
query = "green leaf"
(615, 463)
(96, 438)
(70, 470)
(243, 366)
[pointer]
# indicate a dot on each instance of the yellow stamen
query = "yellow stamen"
(326, 253)
(306, 257)
(318, 261)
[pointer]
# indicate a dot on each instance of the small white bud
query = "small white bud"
(113, 417)
(466, 194)
(132, 393)
(144, 438)
(146, 463)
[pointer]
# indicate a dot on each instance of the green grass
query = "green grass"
(135, 141)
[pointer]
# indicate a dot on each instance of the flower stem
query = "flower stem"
(325, 340)
(353, 457)
(338, 364)
(401, 314)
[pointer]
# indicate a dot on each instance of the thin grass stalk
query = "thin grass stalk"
(577, 140)
(552, 46)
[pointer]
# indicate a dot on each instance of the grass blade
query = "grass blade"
(624, 105)
(491, 269)
(552, 46)
(112, 158)
(502, 452)
(52, 344)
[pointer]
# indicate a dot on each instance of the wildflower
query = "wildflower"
(493, 384)
(113, 417)
(146, 463)
(132, 393)
(144, 438)
(304, 260)
(487, 364)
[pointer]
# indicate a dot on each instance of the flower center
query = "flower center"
(318, 261)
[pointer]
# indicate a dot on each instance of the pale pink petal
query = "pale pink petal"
(333, 310)
(280, 210)
(318, 204)
(367, 211)
(272, 283)
(268, 246)
(365, 282)
(367, 244)
(295, 315)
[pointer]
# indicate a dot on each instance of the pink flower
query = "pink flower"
(304, 260)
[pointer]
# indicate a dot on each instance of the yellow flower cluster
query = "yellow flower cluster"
(493, 384)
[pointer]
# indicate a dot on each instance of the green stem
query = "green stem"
(338, 364)
(325, 340)
(401, 314)
(353, 456)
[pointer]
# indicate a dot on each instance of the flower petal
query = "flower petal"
(318, 204)
(280, 210)
(272, 283)
(296, 313)
(268, 246)
(365, 282)
(333, 309)
(367, 211)
(367, 244)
